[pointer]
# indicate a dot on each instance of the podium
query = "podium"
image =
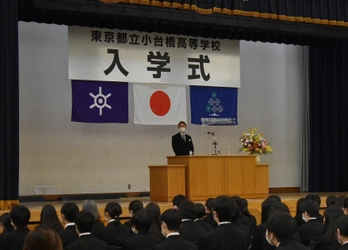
(211, 176)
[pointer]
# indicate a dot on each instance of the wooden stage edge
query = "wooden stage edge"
(254, 204)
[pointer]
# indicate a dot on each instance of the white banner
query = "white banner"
(134, 56)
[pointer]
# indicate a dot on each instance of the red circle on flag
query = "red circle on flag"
(160, 103)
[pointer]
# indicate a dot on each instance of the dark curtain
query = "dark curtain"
(328, 12)
(328, 88)
(9, 111)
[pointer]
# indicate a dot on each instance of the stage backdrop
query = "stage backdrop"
(88, 157)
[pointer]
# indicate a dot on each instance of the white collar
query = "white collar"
(224, 222)
(86, 233)
(69, 224)
(171, 234)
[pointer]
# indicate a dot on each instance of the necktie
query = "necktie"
(184, 137)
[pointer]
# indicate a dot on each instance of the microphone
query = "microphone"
(210, 133)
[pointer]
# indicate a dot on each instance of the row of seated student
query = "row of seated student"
(223, 223)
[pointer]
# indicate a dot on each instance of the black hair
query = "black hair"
(155, 215)
(84, 221)
(20, 216)
(330, 200)
(244, 207)
(178, 199)
(69, 210)
(265, 207)
(209, 204)
(226, 208)
(274, 197)
(345, 203)
(331, 214)
(342, 225)
(172, 218)
(298, 206)
(340, 200)
(238, 201)
(314, 197)
(182, 122)
(49, 218)
(187, 210)
(5, 219)
(142, 221)
(135, 206)
(279, 207)
(282, 225)
(200, 210)
(311, 207)
(114, 209)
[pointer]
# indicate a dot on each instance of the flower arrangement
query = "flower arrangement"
(254, 143)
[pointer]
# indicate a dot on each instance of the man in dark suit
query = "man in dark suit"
(200, 212)
(313, 227)
(20, 216)
(280, 229)
(84, 222)
(68, 212)
(141, 224)
(181, 142)
(342, 231)
(171, 223)
(225, 235)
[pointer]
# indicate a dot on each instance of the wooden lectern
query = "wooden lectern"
(202, 177)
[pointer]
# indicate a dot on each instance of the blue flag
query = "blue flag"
(99, 102)
(213, 105)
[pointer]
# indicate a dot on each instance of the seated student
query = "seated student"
(68, 212)
(178, 199)
(143, 239)
(91, 206)
(242, 219)
(342, 231)
(280, 229)
(84, 222)
(171, 223)
(49, 218)
(316, 198)
(6, 226)
(330, 200)
(200, 212)
(114, 234)
(328, 240)
(43, 238)
(313, 228)
(133, 207)
(225, 235)
(298, 217)
(189, 230)
(244, 210)
(208, 211)
(155, 215)
(20, 216)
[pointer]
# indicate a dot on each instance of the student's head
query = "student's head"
(5, 221)
(200, 210)
(314, 197)
(238, 201)
(91, 206)
(69, 211)
(330, 200)
(298, 205)
(225, 209)
(280, 227)
(135, 206)
(141, 221)
(342, 228)
(244, 207)
(42, 238)
(20, 216)
(279, 207)
(84, 221)
(187, 210)
(345, 206)
(274, 197)
(265, 207)
(49, 218)
(309, 209)
(171, 221)
(112, 211)
(178, 199)
(340, 200)
(209, 205)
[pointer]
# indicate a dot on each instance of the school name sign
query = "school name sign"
(134, 56)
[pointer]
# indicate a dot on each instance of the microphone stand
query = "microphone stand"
(216, 147)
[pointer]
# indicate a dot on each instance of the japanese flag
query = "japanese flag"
(159, 104)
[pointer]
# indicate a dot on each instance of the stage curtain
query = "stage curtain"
(327, 12)
(9, 105)
(328, 84)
